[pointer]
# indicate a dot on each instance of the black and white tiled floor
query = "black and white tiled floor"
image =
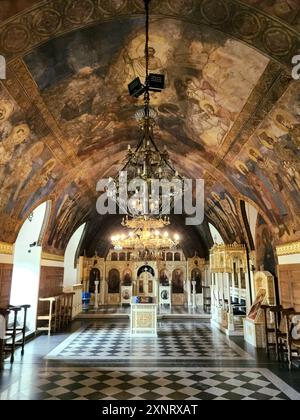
(148, 384)
(189, 341)
(188, 361)
(165, 309)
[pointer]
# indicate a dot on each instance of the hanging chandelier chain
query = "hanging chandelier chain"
(147, 59)
(147, 162)
(147, 39)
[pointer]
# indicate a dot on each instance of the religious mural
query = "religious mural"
(127, 277)
(222, 210)
(9, 7)
(267, 171)
(113, 282)
(36, 174)
(84, 89)
(284, 9)
(66, 117)
(177, 282)
(265, 248)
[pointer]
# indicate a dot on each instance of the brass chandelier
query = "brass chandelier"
(146, 218)
(147, 240)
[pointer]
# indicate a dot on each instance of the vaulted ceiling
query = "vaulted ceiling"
(229, 115)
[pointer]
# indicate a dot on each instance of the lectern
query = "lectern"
(143, 320)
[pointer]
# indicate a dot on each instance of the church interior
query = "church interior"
(102, 306)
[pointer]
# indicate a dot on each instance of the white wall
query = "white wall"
(26, 270)
(216, 235)
(289, 259)
(70, 273)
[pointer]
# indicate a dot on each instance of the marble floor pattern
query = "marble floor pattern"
(239, 373)
(148, 384)
(162, 310)
(175, 340)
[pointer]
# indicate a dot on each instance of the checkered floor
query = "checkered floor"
(149, 384)
(165, 310)
(180, 341)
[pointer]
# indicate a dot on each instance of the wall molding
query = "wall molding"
(288, 249)
(52, 260)
(6, 249)
(52, 257)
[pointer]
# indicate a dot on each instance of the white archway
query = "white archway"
(216, 235)
(70, 271)
(27, 263)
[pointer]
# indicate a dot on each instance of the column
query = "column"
(102, 291)
(230, 308)
(96, 295)
(194, 295)
(188, 286)
(240, 284)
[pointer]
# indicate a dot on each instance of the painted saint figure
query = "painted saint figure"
(94, 276)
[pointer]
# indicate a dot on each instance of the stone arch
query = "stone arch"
(146, 268)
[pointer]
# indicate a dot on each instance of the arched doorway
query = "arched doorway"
(146, 281)
(70, 269)
(27, 262)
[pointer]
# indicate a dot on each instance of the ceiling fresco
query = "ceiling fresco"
(10, 7)
(84, 81)
(284, 9)
(229, 114)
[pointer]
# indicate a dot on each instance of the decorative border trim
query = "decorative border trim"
(52, 257)
(288, 249)
(6, 249)
(228, 247)
(50, 19)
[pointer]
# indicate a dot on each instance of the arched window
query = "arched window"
(177, 256)
(113, 282)
(122, 256)
(114, 256)
(170, 256)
